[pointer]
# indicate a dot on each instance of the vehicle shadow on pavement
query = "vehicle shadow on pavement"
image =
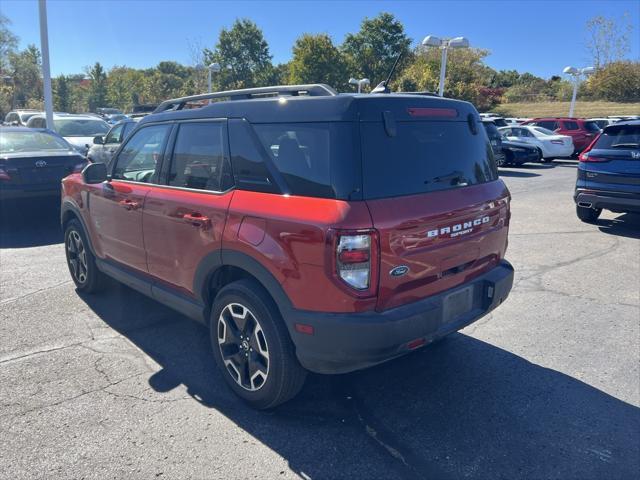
(625, 225)
(459, 408)
(30, 223)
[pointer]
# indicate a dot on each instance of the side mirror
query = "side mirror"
(98, 140)
(94, 173)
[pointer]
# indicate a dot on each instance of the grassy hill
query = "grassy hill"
(561, 109)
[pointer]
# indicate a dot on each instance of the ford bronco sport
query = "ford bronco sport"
(310, 230)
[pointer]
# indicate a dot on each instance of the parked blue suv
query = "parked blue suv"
(609, 172)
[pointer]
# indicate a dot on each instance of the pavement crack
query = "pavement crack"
(51, 287)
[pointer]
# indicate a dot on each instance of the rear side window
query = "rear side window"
(423, 157)
(568, 125)
(300, 152)
(621, 136)
(198, 156)
(593, 127)
(548, 124)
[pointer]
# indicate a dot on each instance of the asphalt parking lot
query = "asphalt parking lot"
(547, 386)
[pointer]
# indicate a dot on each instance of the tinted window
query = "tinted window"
(198, 156)
(138, 159)
(38, 123)
(80, 127)
(128, 128)
(593, 127)
(248, 159)
(492, 130)
(622, 136)
(300, 152)
(114, 135)
(423, 157)
(548, 124)
(568, 125)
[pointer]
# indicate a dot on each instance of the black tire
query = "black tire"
(80, 259)
(263, 381)
(588, 215)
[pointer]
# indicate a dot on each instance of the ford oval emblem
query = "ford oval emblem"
(399, 271)
(41, 163)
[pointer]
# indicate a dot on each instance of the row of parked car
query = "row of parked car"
(310, 230)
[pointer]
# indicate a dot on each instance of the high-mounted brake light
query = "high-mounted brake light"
(355, 260)
(432, 112)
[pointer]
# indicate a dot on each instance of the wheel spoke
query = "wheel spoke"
(243, 346)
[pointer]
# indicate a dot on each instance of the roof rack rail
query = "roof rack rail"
(312, 90)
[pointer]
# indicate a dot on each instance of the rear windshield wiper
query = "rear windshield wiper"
(455, 177)
(626, 145)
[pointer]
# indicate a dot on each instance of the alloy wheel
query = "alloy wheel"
(243, 346)
(77, 256)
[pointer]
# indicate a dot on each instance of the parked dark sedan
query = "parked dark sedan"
(517, 153)
(33, 161)
(609, 172)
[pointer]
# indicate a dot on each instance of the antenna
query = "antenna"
(383, 87)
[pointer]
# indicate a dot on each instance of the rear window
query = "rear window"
(423, 157)
(621, 136)
(571, 125)
(30, 141)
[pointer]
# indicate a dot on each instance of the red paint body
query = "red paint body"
(581, 136)
(165, 232)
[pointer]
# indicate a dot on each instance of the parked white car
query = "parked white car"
(514, 121)
(78, 130)
(550, 144)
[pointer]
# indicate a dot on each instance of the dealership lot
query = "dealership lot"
(547, 386)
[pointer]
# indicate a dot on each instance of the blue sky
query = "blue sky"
(537, 36)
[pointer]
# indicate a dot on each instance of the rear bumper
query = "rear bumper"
(345, 342)
(616, 201)
(519, 157)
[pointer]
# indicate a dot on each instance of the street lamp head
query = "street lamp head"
(459, 42)
(587, 70)
(365, 81)
(571, 70)
(214, 67)
(353, 81)
(431, 41)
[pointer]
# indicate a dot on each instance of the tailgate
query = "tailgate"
(445, 238)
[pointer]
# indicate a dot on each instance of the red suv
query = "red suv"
(581, 131)
(309, 230)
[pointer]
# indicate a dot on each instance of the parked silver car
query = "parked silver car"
(103, 147)
(79, 130)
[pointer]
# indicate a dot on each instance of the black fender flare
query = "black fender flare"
(228, 257)
(70, 207)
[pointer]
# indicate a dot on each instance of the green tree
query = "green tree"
(243, 54)
(61, 94)
(616, 82)
(371, 52)
(98, 89)
(317, 60)
(25, 68)
(8, 44)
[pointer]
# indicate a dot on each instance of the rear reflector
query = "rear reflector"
(586, 157)
(418, 342)
(303, 328)
(432, 112)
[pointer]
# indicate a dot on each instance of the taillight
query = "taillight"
(355, 260)
(4, 175)
(586, 157)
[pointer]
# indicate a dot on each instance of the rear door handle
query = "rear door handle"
(129, 204)
(196, 219)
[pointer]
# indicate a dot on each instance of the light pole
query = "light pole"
(576, 73)
(46, 72)
(444, 45)
(359, 83)
(215, 68)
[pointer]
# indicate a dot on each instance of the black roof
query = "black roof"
(623, 122)
(330, 108)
